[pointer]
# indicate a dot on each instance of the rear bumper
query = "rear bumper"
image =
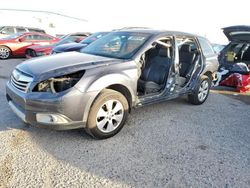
(58, 111)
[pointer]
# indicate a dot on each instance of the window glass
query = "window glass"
(20, 30)
(187, 41)
(29, 37)
(121, 45)
(37, 30)
(13, 36)
(37, 37)
(206, 47)
(65, 40)
(8, 30)
(42, 37)
(93, 38)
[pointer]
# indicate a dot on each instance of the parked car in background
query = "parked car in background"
(78, 46)
(16, 45)
(10, 30)
(238, 49)
(96, 88)
(60, 35)
(41, 50)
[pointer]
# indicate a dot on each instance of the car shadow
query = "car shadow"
(232, 93)
(157, 144)
(125, 158)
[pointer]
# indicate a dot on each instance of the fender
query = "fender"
(105, 81)
(114, 79)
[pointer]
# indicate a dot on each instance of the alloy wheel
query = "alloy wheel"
(203, 90)
(109, 116)
(4, 53)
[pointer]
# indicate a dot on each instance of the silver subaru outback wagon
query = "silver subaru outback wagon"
(96, 88)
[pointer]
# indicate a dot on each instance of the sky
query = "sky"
(201, 17)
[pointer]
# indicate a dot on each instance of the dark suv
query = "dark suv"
(78, 46)
(96, 88)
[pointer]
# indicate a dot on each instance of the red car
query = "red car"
(39, 50)
(16, 45)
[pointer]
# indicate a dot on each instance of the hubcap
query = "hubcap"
(109, 116)
(203, 90)
(4, 53)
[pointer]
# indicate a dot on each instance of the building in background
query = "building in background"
(51, 22)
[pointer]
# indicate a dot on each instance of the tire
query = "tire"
(201, 92)
(104, 123)
(5, 52)
(30, 53)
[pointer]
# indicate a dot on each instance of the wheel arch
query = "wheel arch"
(27, 49)
(209, 74)
(115, 85)
(124, 91)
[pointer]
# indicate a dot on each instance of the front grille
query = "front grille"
(20, 81)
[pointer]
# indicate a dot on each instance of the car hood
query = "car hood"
(237, 33)
(61, 64)
(69, 47)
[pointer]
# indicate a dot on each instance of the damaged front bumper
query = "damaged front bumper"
(61, 111)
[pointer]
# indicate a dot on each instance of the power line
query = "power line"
(46, 12)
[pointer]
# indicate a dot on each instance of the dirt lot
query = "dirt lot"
(171, 144)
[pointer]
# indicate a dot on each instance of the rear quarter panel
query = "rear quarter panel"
(211, 64)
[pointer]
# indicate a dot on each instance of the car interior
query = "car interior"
(238, 53)
(157, 61)
(188, 59)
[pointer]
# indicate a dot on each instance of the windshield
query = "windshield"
(122, 45)
(14, 36)
(93, 37)
(67, 39)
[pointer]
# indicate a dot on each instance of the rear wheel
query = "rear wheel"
(30, 53)
(107, 115)
(201, 92)
(5, 52)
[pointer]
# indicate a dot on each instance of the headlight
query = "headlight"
(58, 84)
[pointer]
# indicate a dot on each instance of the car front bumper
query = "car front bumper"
(59, 111)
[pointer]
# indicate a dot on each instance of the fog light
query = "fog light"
(51, 118)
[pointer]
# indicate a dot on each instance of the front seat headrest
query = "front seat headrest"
(163, 52)
(185, 48)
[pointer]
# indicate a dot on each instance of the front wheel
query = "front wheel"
(201, 92)
(5, 52)
(107, 114)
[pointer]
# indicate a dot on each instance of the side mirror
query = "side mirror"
(21, 39)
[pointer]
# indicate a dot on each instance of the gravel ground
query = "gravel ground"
(171, 144)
